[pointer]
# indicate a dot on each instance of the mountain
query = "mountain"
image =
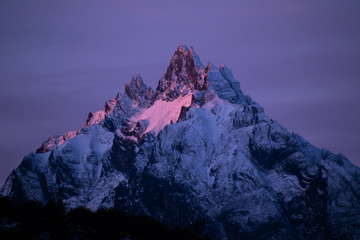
(196, 150)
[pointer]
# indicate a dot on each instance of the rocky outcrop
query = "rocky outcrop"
(139, 92)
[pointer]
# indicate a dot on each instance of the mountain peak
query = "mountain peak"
(181, 48)
(189, 53)
(202, 152)
(137, 90)
(135, 85)
(184, 74)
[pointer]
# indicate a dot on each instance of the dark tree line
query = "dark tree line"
(51, 221)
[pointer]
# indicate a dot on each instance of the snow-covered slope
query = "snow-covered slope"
(161, 113)
(197, 149)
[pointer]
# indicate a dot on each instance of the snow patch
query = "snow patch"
(162, 113)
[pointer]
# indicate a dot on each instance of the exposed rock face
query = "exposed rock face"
(184, 74)
(197, 149)
(139, 92)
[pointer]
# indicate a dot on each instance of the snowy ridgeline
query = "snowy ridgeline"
(196, 149)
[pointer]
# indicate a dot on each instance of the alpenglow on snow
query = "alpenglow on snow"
(196, 149)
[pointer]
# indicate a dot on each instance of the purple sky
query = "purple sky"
(299, 59)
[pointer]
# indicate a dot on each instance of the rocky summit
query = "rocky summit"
(196, 149)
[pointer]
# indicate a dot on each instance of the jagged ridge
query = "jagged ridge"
(197, 149)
